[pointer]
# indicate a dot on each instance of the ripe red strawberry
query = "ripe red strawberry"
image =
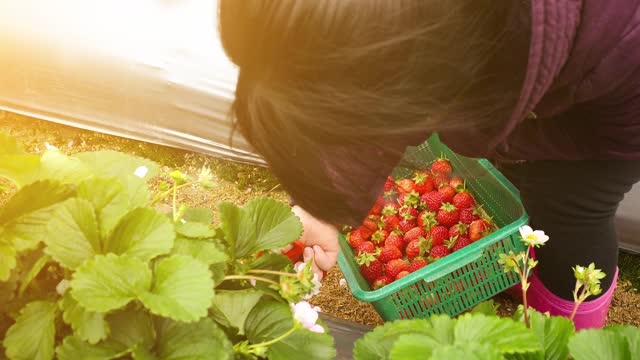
(371, 222)
(417, 264)
(456, 183)
(464, 200)
(448, 215)
(394, 267)
(433, 199)
(377, 207)
(395, 239)
(414, 234)
(448, 192)
(441, 166)
(405, 225)
(479, 229)
(365, 247)
(438, 235)
(408, 212)
(388, 253)
(405, 185)
(439, 181)
(423, 182)
(382, 281)
(389, 185)
(379, 237)
(417, 248)
(459, 229)
(390, 222)
(461, 242)
(439, 251)
(365, 232)
(426, 219)
(402, 274)
(355, 238)
(467, 216)
(370, 267)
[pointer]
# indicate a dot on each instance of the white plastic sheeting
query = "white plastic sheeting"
(151, 70)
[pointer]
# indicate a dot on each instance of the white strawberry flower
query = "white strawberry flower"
(342, 282)
(141, 171)
(533, 237)
(307, 316)
(299, 268)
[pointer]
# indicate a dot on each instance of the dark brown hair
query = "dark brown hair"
(330, 92)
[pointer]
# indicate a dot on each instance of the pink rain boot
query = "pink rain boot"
(591, 314)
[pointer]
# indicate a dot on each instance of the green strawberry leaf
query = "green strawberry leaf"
(377, 344)
(72, 233)
(137, 191)
(466, 352)
(503, 334)
(33, 334)
(73, 348)
(194, 230)
(15, 164)
(142, 233)
(182, 289)
(413, 346)
(117, 164)
(132, 328)
(219, 271)
(109, 282)
(197, 340)
(236, 305)
(552, 333)
(7, 261)
(34, 197)
(269, 320)
(108, 199)
(632, 334)
(201, 250)
(38, 265)
(142, 353)
(230, 216)
(87, 325)
(270, 261)
(54, 165)
(488, 307)
(24, 217)
(266, 224)
(199, 215)
(597, 344)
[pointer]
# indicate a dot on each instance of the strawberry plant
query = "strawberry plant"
(91, 269)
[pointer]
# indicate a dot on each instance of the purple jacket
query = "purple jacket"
(581, 96)
(580, 99)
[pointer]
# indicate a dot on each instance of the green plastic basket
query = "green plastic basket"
(468, 276)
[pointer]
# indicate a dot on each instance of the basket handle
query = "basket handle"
(450, 267)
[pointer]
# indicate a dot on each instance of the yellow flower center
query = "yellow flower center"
(532, 237)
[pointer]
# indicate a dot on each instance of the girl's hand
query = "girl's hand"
(320, 240)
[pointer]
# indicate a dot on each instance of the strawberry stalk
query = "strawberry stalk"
(251, 277)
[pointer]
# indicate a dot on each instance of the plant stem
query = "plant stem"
(271, 272)
(579, 300)
(273, 341)
(249, 277)
(524, 278)
(175, 198)
(163, 195)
